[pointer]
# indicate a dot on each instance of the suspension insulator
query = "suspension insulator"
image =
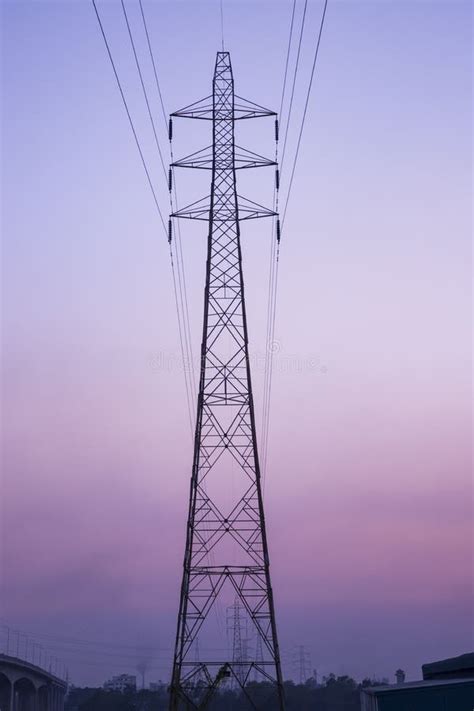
(170, 129)
(276, 129)
(277, 179)
(278, 231)
(170, 230)
(170, 179)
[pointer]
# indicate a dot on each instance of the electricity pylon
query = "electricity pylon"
(237, 631)
(302, 663)
(226, 554)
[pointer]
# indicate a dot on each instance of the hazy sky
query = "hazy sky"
(369, 488)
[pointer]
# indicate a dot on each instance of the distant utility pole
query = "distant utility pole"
(302, 663)
(226, 554)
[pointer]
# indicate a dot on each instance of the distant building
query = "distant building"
(121, 683)
(447, 684)
(400, 676)
(157, 685)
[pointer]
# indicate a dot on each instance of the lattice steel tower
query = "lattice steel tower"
(226, 545)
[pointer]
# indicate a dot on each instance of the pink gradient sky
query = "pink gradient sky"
(369, 486)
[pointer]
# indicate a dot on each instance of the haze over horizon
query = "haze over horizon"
(368, 492)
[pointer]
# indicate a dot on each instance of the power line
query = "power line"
(270, 344)
(293, 85)
(305, 109)
(180, 328)
(287, 58)
(57, 644)
(32, 636)
(71, 654)
(274, 266)
(186, 351)
(178, 288)
(270, 356)
(144, 89)
(185, 311)
(179, 285)
(273, 283)
(155, 199)
(178, 274)
(153, 63)
(75, 640)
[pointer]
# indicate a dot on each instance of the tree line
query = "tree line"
(335, 693)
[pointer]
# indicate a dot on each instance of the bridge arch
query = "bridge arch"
(24, 695)
(44, 694)
(26, 687)
(5, 692)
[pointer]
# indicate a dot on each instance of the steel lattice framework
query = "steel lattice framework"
(226, 544)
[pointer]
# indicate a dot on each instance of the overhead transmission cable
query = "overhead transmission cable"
(179, 286)
(145, 94)
(295, 74)
(183, 314)
(273, 279)
(280, 113)
(52, 639)
(153, 64)
(316, 52)
(181, 327)
(177, 282)
(147, 172)
(188, 361)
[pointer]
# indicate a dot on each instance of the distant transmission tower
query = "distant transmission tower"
(237, 631)
(258, 657)
(302, 663)
(226, 553)
(234, 634)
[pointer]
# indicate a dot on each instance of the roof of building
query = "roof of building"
(464, 663)
(390, 688)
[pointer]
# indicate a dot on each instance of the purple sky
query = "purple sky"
(369, 485)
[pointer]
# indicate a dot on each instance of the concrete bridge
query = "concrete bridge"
(26, 687)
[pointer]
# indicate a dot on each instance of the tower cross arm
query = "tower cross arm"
(201, 109)
(204, 159)
(204, 109)
(245, 109)
(246, 210)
